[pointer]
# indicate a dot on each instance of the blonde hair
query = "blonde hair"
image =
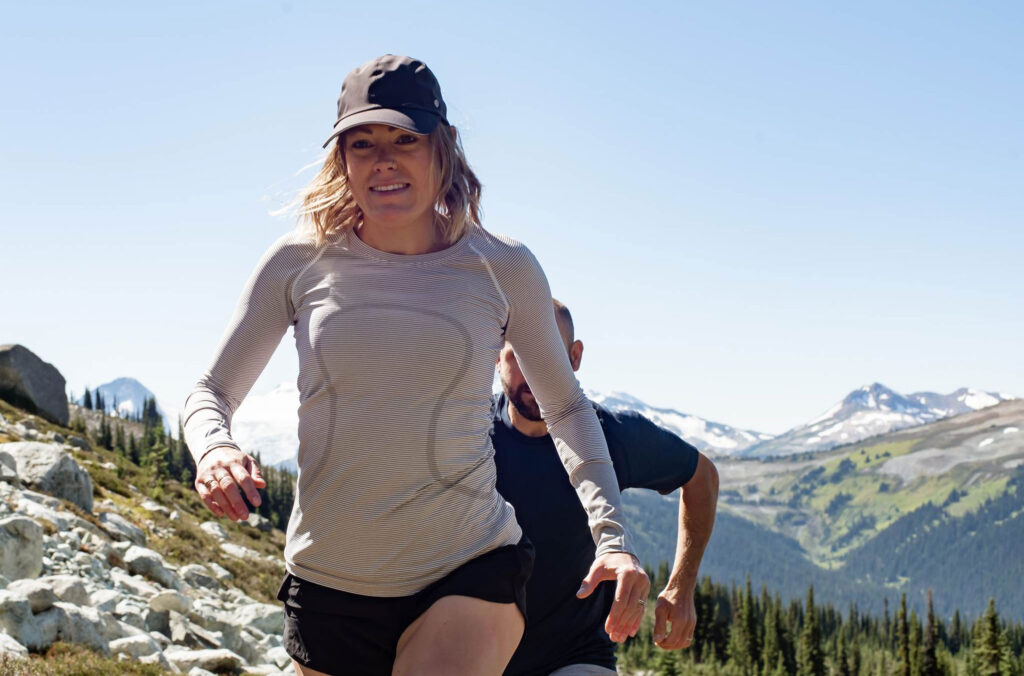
(328, 207)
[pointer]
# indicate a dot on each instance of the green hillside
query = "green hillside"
(860, 510)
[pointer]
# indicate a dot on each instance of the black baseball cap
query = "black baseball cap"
(395, 90)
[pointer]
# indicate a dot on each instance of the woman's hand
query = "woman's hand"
(218, 477)
(631, 590)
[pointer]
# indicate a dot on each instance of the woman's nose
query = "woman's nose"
(385, 160)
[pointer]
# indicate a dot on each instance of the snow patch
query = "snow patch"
(986, 442)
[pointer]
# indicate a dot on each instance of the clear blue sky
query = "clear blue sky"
(752, 208)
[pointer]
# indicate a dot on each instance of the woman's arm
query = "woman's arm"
(261, 318)
(574, 427)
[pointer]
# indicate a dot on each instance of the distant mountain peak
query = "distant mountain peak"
(870, 410)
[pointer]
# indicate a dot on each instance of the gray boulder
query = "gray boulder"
(39, 594)
(146, 562)
(266, 617)
(121, 528)
(10, 649)
(76, 625)
(49, 468)
(21, 547)
(211, 660)
(198, 576)
(170, 600)
(30, 383)
(68, 588)
(215, 529)
(8, 469)
(16, 619)
(260, 523)
(136, 646)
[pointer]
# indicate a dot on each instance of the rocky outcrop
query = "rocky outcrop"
(51, 469)
(30, 383)
(21, 547)
(65, 578)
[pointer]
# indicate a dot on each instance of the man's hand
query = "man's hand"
(675, 606)
(631, 590)
(218, 477)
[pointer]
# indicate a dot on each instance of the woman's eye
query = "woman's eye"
(407, 138)
(360, 143)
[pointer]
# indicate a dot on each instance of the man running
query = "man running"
(565, 634)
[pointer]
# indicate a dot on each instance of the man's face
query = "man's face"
(513, 382)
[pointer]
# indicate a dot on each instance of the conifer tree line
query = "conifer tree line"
(740, 633)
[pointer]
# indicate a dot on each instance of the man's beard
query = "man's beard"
(530, 411)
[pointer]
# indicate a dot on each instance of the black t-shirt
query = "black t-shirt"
(563, 629)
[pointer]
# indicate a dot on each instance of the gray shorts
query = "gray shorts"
(583, 670)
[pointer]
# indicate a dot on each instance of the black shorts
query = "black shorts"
(341, 633)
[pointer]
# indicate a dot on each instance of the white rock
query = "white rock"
(105, 599)
(266, 617)
(174, 516)
(159, 658)
(11, 649)
(211, 660)
(50, 468)
(152, 506)
(8, 468)
(68, 588)
(40, 594)
(136, 646)
(72, 624)
(198, 576)
(121, 529)
(146, 562)
(263, 670)
(21, 547)
(132, 584)
(279, 656)
(215, 529)
(170, 600)
(196, 671)
(240, 552)
(260, 523)
(16, 619)
(220, 572)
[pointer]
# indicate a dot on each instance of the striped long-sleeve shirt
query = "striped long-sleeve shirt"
(396, 483)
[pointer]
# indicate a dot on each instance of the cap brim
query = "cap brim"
(416, 121)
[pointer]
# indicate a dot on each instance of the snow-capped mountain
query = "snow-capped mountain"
(716, 438)
(127, 395)
(871, 410)
(267, 423)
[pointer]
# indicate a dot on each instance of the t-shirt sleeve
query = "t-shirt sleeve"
(646, 455)
(262, 316)
(572, 422)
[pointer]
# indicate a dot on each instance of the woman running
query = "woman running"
(402, 557)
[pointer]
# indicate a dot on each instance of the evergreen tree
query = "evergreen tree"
(100, 404)
(119, 441)
(743, 648)
(987, 648)
(903, 638)
(133, 450)
(810, 657)
(667, 663)
(842, 660)
(87, 399)
(929, 662)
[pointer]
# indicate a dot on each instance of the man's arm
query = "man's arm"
(698, 499)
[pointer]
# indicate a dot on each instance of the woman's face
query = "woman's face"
(390, 173)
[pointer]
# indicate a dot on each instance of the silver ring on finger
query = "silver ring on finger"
(211, 484)
(642, 602)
